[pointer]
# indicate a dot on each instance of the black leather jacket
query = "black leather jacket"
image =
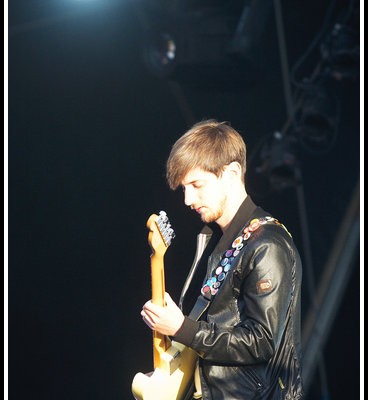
(249, 338)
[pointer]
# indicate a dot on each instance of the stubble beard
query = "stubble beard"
(216, 214)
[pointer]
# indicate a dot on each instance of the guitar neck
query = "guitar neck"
(159, 238)
(157, 280)
(160, 342)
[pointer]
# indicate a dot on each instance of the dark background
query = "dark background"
(90, 127)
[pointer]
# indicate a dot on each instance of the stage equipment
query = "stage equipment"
(205, 42)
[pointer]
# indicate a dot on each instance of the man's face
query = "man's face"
(205, 193)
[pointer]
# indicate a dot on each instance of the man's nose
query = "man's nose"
(188, 197)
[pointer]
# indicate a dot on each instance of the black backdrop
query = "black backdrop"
(89, 132)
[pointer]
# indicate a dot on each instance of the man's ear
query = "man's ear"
(234, 169)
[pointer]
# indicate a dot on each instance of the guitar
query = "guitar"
(173, 363)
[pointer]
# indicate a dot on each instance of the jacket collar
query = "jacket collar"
(241, 218)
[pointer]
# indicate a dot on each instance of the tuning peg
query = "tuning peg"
(163, 216)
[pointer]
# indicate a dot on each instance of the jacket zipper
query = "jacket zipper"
(256, 380)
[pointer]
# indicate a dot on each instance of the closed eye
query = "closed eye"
(198, 184)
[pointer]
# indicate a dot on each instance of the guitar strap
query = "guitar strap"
(200, 306)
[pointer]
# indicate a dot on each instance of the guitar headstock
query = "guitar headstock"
(161, 233)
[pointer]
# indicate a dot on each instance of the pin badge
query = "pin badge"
(237, 241)
(218, 270)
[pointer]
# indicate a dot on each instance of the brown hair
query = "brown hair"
(209, 145)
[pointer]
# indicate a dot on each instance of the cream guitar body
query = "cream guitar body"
(174, 364)
(171, 380)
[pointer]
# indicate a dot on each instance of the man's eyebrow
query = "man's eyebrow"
(191, 182)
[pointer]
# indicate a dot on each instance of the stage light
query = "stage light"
(279, 161)
(160, 53)
(316, 121)
(200, 44)
(340, 53)
(186, 45)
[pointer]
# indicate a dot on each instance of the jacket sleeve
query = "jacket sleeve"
(260, 311)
